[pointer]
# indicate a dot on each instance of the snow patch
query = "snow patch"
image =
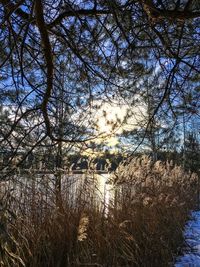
(191, 258)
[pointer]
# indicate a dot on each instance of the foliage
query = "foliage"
(59, 59)
(149, 203)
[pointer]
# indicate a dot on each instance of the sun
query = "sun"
(109, 118)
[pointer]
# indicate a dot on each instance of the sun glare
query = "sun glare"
(111, 119)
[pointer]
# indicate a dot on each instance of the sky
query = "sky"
(114, 113)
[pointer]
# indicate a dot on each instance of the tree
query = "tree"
(106, 46)
(192, 151)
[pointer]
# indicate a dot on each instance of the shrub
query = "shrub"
(141, 225)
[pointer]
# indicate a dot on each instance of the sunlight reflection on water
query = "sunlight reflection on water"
(89, 186)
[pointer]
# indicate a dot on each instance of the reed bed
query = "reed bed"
(139, 222)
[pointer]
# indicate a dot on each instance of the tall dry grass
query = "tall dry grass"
(141, 226)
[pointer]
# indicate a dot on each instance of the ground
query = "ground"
(191, 256)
